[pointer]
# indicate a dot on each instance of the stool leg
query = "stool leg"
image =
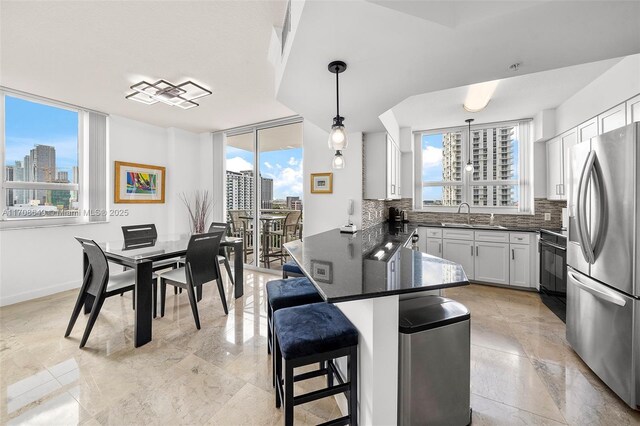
(288, 393)
(328, 365)
(353, 386)
(269, 329)
(277, 370)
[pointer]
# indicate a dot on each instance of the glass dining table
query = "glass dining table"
(140, 255)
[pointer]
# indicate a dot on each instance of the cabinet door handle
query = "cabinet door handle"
(440, 248)
(476, 250)
(513, 254)
(393, 189)
(561, 188)
(471, 250)
(557, 193)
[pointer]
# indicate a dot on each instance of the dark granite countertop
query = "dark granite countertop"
(475, 227)
(371, 263)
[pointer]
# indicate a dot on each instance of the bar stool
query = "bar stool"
(291, 269)
(309, 334)
(287, 293)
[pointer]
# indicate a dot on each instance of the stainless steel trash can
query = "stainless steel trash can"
(434, 360)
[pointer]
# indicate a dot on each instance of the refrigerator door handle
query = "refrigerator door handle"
(603, 294)
(602, 205)
(583, 232)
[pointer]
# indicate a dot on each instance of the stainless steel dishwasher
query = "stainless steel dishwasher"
(434, 362)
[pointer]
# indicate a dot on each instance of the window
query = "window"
(41, 171)
(41, 152)
(499, 181)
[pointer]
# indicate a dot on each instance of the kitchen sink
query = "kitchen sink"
(466, 225)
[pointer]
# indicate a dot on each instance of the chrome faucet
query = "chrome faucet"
(468, 211)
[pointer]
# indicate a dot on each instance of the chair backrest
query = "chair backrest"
(219, 226)
(98, 275)
(236, 222)
(137, 232)
(202, 261)
(292, 218)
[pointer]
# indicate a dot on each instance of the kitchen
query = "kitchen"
(469, 254)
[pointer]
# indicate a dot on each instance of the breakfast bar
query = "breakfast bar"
(365, 275)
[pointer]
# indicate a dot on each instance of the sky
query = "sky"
(283, 166)
(28, 124)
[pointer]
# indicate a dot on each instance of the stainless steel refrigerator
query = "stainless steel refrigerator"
(603, 255)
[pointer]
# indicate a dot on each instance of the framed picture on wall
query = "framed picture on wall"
(138, 183)
(321, 183)
(322, 271)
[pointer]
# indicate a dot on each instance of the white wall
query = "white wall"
(41, 261)
(616, 85)
(327, 211)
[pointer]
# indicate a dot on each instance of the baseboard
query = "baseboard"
(37, 293)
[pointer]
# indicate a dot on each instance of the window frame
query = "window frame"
(22, 222)
(524, 182)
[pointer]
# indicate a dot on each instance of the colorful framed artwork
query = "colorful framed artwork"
(138, 183)
(321, 183)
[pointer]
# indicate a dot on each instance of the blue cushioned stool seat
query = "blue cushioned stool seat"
(309, 334)
(311, 329)
(291, 292)
(291, 268)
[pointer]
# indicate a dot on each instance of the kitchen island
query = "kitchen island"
(365, 274)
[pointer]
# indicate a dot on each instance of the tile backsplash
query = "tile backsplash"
(542, 206)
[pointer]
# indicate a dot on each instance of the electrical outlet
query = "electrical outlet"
(547, 216)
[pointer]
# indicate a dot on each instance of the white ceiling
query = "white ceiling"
(514, 98)
(392, 55)
(89, 52)
(271, 139)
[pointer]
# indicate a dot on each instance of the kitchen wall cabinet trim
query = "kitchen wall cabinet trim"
(588, 130)
(612, 119)
(382, 167)
(633, 110)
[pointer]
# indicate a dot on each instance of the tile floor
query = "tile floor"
(523, 371)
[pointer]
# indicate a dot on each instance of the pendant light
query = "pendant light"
(469, 166)
(338, 134)
(338, 160)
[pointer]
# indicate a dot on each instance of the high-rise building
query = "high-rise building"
(63, 176)
(294, 203)
(266, 192)
(451, 167)
(9, 176)
(240, 190)
(493, 158)
(40, 166)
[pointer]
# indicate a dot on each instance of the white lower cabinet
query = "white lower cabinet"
(491, 263)
(434, 247)
(520, 266)
(462, 252)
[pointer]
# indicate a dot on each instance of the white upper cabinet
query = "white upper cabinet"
(633, 110)
(613, 119)
(588, 130)
(555, 169)
(382, 167)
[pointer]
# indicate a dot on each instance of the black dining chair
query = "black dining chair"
(99, 284)
(201, 267)
(141, 235)
(222, 254)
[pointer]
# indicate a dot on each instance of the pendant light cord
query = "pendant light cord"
(337, 96)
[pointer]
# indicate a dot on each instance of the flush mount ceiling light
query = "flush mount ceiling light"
(337, 135)
(469, 166)
(180, 95)
(479, 95)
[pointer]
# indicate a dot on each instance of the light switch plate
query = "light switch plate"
(547, 216)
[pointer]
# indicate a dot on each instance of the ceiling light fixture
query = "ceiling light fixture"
(180, 95)
(469, 166)
(479, 95)
(338, 135)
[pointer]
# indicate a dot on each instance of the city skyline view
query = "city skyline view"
(283, 166)
(28, 124)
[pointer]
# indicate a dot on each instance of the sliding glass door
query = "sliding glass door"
(264, 189)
